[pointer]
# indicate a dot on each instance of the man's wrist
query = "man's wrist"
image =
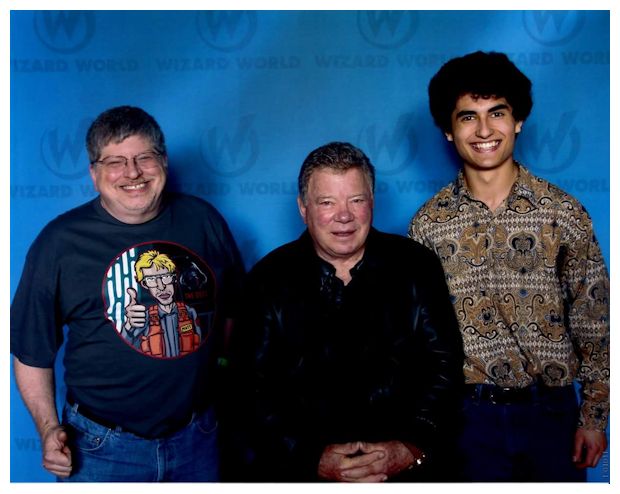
(418, 456)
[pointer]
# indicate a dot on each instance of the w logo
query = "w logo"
(227, 30)
(387, 28)
(393, 150)
(64, 31)
(63, 153)
(230, 154)
(553, 149)
(552, 27)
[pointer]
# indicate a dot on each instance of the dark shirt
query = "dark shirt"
(322, 363)
(76, 275)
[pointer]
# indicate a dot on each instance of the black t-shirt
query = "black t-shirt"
(82, 271)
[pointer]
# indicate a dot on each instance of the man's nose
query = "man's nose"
(344, 214)
(483, 130)
(131, 169)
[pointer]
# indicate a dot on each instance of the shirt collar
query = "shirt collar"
(163, 313)
(523, 186)
(328, 269)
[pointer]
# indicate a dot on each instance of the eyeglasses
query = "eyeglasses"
(145, 161)
(166, 279)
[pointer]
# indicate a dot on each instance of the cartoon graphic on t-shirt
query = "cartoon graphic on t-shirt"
(147, 292)
(167, 328)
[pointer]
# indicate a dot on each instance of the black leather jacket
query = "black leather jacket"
(320, 363)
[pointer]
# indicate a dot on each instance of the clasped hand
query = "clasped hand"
(364, 462)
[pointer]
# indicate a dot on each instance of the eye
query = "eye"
(146, 159)
(113, 161)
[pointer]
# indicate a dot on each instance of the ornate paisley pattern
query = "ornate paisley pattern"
(529, 285)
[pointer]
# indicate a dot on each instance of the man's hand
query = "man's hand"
(396, 458)
(366, 462)
(339, 461)
(36, 386)
(135, 314)
(56, 453)
(589, 447)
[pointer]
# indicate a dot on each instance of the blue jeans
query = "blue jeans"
(521, 442)
(100, 454)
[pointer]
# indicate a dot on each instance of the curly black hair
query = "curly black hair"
(481, 74)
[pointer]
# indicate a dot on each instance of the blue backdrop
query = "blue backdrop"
(243, 96)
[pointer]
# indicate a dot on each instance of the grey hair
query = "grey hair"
(338, 156)
(119, 123)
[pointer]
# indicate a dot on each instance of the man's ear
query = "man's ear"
(518, 126)
(302, 209)
(449, 136)
(93, 175)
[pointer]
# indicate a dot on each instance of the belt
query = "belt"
(505, 396)
(90, 415)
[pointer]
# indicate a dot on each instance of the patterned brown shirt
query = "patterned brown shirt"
(529, 287)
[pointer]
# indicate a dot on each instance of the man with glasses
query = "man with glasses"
(133, 412)
(168, 328)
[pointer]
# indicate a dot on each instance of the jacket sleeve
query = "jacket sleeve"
(438, 344)
(274, 448)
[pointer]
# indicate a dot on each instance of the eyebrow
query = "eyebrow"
(501, 106)
(360, 194)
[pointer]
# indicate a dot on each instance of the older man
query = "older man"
(130, 415)
(348, 348)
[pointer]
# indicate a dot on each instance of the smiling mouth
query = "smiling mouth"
(130, 187)
(485, 147)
